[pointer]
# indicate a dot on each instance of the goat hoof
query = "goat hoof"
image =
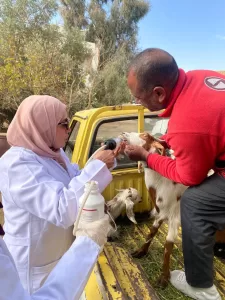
(138, 253)
(162, 282)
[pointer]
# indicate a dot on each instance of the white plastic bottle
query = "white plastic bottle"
(94, 206)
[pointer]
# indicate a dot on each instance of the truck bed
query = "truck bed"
(118, 276)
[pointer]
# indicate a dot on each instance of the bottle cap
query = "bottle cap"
(94, 186)
(110, 144)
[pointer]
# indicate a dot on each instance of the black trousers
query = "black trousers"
(202, 213)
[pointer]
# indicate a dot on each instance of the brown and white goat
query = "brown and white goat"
(125, 199)
(165, 195)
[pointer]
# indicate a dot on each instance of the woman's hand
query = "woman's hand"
(97, 230)
(106, 156)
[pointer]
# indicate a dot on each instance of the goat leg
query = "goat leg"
(144, 249)
(165, 274)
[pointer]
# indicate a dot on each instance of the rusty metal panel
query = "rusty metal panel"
(130, 276)
(116, 276)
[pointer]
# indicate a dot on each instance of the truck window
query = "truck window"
(156, 126)
(113, 128)
(72, 139)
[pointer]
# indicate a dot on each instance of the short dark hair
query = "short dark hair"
(154, 67)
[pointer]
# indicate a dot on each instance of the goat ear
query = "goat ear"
(130, 211)
(160, 149)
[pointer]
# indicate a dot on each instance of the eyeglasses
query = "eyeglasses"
(65, 124)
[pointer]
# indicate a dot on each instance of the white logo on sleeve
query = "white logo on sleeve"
(215, 83)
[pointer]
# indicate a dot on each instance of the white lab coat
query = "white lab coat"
(66, 282)
(40, 200)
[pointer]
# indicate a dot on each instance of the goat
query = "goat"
(165, 195)
(126, 198)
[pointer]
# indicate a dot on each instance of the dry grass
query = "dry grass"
(132, 237)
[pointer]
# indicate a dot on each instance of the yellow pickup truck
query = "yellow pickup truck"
(117, 275)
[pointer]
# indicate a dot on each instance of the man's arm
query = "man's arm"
(195, 155)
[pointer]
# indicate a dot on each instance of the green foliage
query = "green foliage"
(112, 25)
(24, 19)
(82, 62)
(36, 56)
(109, 86)
(73, 12)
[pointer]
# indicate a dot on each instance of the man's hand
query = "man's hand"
(136, 153)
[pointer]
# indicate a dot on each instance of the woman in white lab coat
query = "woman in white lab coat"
(40, 188)
(68, 278)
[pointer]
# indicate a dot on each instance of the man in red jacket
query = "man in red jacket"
(195, 103)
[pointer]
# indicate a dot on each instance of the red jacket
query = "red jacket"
(196, 130)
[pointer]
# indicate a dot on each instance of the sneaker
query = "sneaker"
(178, 280)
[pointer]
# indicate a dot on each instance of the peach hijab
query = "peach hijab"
(34, 126)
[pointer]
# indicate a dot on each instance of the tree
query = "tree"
(73, 12)
(113, 26)
(36, 56)
(21, 20)
(110, 23)
(109, 85)
(40, 57)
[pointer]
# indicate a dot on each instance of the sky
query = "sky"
(192, 31)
